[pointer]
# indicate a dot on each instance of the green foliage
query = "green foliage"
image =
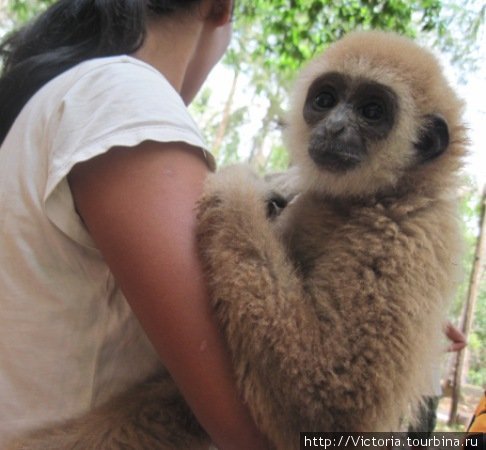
(278, 159)
(23, 10)
(460, 32)
(477, 342)
(229, 152)
(470, 211)
(209, 121)
(477, 338)
(286, 33)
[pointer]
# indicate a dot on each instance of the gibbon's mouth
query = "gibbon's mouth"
(337, 158)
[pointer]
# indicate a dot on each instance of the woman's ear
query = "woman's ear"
(222, 11)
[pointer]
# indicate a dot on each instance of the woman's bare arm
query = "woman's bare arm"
(139, 206)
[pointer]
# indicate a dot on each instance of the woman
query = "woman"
(100, 169)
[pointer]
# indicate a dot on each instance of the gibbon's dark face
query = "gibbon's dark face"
(345, 116)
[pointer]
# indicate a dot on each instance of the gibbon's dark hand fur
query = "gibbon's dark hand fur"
(332, 308)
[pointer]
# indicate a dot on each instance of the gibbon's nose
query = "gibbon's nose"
(336, 122)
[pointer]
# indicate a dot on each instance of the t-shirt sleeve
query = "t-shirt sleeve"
(117, 104)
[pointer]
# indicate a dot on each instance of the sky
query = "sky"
(474, 94)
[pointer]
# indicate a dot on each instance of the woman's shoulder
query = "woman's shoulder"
(102, 76)
(117, 65)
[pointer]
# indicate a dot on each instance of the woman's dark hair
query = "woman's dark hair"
(67, 33)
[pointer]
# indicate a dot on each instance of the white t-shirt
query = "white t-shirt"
(68, 339)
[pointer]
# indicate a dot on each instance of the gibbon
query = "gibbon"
(332, 306)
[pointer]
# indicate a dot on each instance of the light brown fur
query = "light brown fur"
(151, 416)
(341, 336)
(332, 311)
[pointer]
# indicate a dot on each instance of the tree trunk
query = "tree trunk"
(468, 314)
(256, 158)
(221, 132)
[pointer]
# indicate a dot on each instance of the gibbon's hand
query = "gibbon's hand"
(242, 178)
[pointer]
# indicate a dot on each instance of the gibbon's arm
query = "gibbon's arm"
(139, 206)
(306, 355)
(259, 299)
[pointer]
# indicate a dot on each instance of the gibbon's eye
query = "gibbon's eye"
(324, 100)
(372, 111)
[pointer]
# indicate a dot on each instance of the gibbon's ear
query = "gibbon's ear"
(434, 137)
(275, 205)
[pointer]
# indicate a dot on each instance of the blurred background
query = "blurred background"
(241, 111)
